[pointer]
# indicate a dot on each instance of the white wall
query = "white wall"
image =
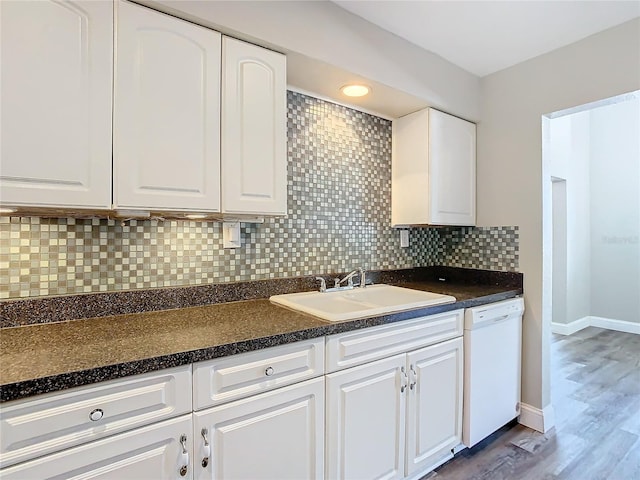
(325, 32)
(578, 216)
(559, 275)
(560, 146)
(615, 211)
(569, 150)
(579, 220)
(510, 157)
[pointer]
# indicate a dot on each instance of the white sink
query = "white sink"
(360, 302)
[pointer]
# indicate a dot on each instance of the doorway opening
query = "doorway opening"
(591, 207)
(591, 260)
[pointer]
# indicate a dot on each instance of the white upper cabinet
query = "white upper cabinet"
(61, 98)
(55, 106)
(166, 113)
(433, 170)
(254, 163)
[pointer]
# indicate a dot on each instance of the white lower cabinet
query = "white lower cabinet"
(434, 406)
(156, 452)
(35, 427)
(395, 418)
(366, 421)
(276, 435)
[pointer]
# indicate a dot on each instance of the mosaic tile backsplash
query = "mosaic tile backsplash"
(487, 248)
(339, 212)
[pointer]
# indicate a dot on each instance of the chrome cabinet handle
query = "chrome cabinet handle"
(184, 457)
(403, 387)
(414, 377)
(269, 371)
(206, 449)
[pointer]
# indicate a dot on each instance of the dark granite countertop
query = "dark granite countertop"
(48, 357)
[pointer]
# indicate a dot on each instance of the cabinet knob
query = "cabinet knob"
(96, 414)
(269, 371)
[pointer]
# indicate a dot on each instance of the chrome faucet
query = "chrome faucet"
(348, 278)
(323, 284)
(337, 282)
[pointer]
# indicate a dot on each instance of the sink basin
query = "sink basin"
(360, 302)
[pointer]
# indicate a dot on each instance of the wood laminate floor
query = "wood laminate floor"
(595, 391)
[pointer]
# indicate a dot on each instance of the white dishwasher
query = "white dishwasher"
(492, 360)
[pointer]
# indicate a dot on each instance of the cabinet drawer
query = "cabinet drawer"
(147, 453)
(49, 423)
(221, 380)
(355, 348)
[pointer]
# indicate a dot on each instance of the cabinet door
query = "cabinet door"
(254, 162)
(452, 170)
(154, 452)
(434, 407)
(366, 421)
(166, 113)
(57, 62)
(276, 435)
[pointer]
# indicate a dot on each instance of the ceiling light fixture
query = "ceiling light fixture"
(355, 90)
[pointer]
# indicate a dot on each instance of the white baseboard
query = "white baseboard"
(618, 325)
(591, 321)
(540, 420)
(572, 327)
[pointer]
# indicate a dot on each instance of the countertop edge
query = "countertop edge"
(63, 381)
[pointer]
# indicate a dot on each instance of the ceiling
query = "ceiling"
(322, 80)
(484, 37)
